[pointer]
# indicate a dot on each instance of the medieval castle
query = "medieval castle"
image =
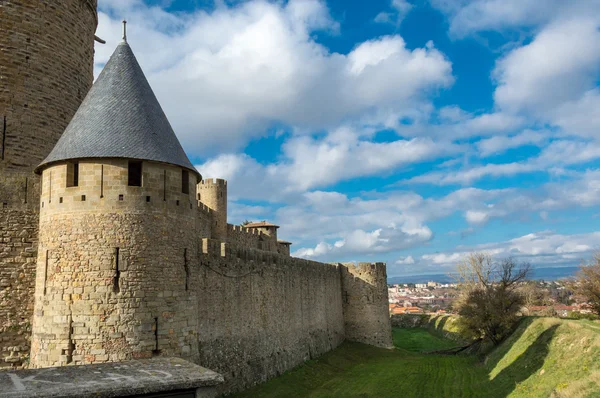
(113, 246)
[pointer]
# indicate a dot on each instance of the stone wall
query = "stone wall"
(46, 69)
(17, 276)
(251, 238)
(365, 297)
(262, 313)
(213, 193)
(115, 266)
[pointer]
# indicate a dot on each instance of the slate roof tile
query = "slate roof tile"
(120, 118)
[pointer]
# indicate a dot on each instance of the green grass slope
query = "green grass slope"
(548, 357)
(358, 370)
(545, 357)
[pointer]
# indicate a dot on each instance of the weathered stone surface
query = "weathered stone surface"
(46, 69)
(366, 311)
(133, 272)
(110, 380)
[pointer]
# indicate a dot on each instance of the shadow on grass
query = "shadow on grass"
(440, 325)
(527, 364)
(505, 346)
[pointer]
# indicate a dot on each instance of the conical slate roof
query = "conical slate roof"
(120, 118)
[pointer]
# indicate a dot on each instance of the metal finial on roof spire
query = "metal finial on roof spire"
(124, 30)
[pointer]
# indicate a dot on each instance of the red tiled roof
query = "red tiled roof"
(260, 224)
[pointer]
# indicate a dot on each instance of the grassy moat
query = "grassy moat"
(545, 357)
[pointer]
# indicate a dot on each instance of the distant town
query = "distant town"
(543, 298)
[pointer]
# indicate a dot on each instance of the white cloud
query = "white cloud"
(226, 76)
(470, 175)
(557, 153)
(405, 260)
(545, 248)
(476, 217)
(499, 144)
(309, 162)
(400, 9)
(468, 17)
(362, 242)
(559, 65)
(580, 116)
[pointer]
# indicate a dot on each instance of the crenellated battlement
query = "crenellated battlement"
(373, 273)
(216, 248)
(207, 182)
(212, 192)
(242, 229)
(204, 208)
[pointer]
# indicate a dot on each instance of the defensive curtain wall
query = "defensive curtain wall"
(46, 69)
(105, 292)
(130, 271)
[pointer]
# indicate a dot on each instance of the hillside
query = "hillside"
(549, 357)
(544, 357)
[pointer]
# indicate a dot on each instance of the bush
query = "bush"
(490, 299)
(587, 283)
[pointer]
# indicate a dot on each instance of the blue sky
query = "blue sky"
(405, 131)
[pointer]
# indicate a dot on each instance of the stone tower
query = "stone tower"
(213, 193)
(117, 238)
(46, 69)
(365, 303)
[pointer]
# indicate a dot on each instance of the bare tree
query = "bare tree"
(587, 282)
(534, 295)
(490, 300)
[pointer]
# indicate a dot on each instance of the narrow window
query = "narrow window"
(71, 346)
(3, 137)
(186, 268)
(135, 174)
(101, 181)
(156, 351)
(46, 271)
(185, 181)
(116, 287)
(165, 185)
(73, 174)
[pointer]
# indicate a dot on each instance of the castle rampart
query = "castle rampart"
(46, 69)
(251, 238)
(134, 257)
(213, 193)
(262, 313)
(365, 298)
(115, 265)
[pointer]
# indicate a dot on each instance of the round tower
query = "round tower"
(213, 193)
(46, 69)
(117, 243)
(365, 302)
